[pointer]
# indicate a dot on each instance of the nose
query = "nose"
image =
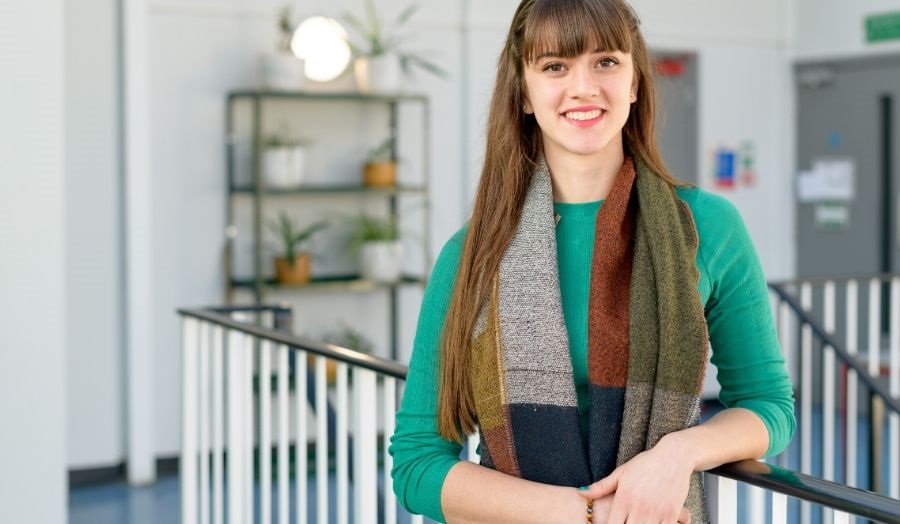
(583, 82)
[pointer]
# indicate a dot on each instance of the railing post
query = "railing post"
(235, 407)
(722, 496)
(365, 458)
(188, 461)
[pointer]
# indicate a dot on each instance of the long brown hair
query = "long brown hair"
(567, 28)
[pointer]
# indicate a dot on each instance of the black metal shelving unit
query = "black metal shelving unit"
(258, 284)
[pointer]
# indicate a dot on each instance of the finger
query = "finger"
(602, 487)
(617, 513)
(685, 517)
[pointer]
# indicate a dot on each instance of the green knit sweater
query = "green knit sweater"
(732, 288)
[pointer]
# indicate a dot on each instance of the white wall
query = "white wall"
(32, 265)
(190, 77)
(832, 29)
(744, 95)
(741, 50)
(95, 395)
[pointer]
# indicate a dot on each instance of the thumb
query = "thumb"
(602, 487)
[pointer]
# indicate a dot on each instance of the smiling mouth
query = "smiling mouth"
(582, 116)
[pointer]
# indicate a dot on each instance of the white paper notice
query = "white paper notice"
(831, 179)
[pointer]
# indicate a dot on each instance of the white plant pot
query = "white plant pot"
(282, 71)
(379, 74)
(382, 261)
(283, 166)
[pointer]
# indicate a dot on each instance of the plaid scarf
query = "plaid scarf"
(645, 361)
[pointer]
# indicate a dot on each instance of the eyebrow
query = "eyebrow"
(555, 54)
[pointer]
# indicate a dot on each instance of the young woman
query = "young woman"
(569, 321)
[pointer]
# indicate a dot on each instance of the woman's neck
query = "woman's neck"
(583, 179)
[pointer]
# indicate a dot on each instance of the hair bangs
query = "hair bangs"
(569, 28)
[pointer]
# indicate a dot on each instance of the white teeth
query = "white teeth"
(583, 115)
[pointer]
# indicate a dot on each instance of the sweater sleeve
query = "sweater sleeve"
(746, 352)
(422, 458)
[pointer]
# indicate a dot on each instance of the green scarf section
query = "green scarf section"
(646, 361)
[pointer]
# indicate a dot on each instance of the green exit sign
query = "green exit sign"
(883, 27)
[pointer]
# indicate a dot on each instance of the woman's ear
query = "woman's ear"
(526, 107)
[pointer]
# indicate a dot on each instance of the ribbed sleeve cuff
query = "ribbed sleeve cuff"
(780, 424)
(433, 482)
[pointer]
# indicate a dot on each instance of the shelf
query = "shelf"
(323, 95)
(349, 283)
(329, 190)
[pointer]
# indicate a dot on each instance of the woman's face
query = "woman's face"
(581, 104)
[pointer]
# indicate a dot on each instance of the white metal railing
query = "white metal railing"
(236, 425)
(254, 397)
(844, 393)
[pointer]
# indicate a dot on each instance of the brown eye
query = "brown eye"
(607, 62)
(553, 67)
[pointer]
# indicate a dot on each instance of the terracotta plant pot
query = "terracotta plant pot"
(381, 174)
(296, 274)
(330, 368)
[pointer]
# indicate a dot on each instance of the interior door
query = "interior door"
(847, 111)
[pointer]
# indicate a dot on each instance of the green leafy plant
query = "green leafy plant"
(350, 338)
(382, 153)
(366, 228)
(380, 39)
(285, 29)
(285, 138)
(293, 236)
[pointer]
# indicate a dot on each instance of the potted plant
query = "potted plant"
(283, 161)
(345, 337)
(381, 63)
(283, 69)
(377, 241)
(293, 266)
(380, 167)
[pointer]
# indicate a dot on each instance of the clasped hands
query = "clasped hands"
(650, 488)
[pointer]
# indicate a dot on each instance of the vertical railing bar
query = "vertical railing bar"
(265, 430)
(852, 422)
(390, 407)
(283, 435)
(416, 519)
(872, 368)
(204, 422)
(874, 326)
(894, 371)
(249, 427)
(722, 496)
(218, 402)
(235, 408)
(828, 392)
(841, 518)
(756, 504)
(341, 451)
(365, 449)
(779, 508)
(806, 395)
(188, 462)
(472, 451)
(321, 442)
(789, 350)
(301, 471)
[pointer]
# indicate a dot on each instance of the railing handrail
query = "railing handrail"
(755, 473)
(860, 277)
(332, 351)
(812, 489)
(806, 318)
